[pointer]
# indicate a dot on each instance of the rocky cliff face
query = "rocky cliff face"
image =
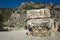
(18, 15)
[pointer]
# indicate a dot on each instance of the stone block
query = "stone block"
(42, 27)
(38, 13)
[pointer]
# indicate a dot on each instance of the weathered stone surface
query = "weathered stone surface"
(38, 13)
(41, 27)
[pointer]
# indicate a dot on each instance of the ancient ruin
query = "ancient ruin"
(39, 22)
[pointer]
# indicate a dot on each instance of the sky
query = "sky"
(15, 3)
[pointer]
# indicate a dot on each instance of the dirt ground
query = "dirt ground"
(21, 35)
